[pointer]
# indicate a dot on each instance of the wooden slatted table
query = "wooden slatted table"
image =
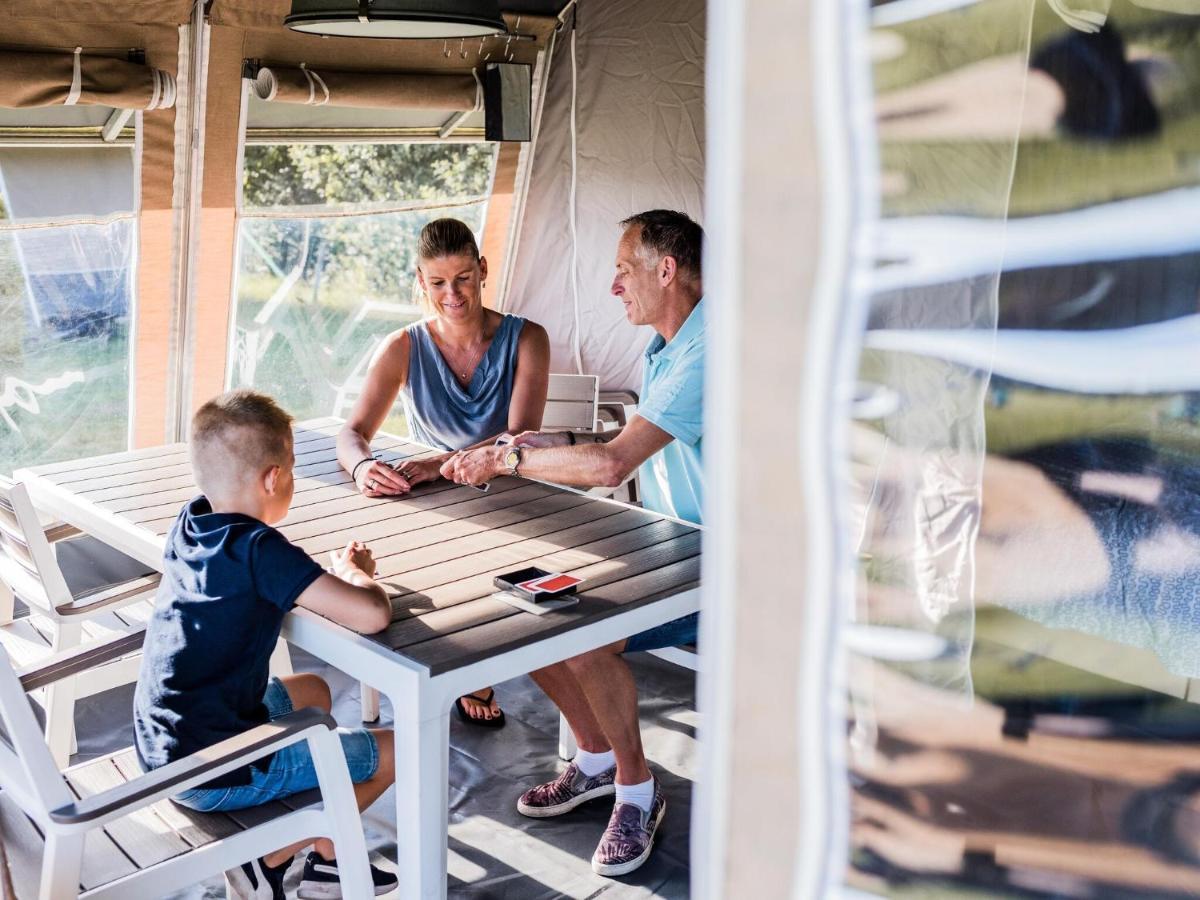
(437, 551)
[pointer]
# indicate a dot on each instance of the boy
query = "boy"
(228, 579)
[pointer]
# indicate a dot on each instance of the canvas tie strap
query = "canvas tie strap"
(76, 80)
(315, 80)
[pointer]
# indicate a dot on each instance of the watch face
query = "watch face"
(512, 458)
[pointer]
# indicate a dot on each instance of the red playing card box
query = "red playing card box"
(537, 584)
(556, 584)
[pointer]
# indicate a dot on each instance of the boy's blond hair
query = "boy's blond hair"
(236, 437)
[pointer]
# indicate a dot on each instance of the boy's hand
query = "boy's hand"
(355, 556)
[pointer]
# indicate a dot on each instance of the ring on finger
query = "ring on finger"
(371, 484)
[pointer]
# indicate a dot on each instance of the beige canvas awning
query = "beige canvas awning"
(375, 90)
(58, 78)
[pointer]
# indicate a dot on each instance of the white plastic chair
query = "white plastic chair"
(103, 829)
(59, 616)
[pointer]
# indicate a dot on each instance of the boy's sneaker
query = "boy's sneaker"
(255, 880)
(321, 882)
(566, 792)
(629, 837)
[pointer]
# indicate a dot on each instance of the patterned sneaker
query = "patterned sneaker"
(321, 881)
(566, 792)
(254, 880)
(629, 837)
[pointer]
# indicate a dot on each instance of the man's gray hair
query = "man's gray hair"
(670, 233)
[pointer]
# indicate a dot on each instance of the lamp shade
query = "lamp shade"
(397, 18)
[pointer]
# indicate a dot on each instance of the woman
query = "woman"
(466, 375)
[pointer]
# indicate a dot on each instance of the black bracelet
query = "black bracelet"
(354, 471)
(571, 437)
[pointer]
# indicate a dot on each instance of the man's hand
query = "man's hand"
(356, 557)
(477, 466)
(541, 439)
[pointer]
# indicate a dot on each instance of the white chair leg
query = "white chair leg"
(60, 700)
(337, 792)
(280, 663)
(7, 604)
(370, 702)
(62, 861)
(566, 739)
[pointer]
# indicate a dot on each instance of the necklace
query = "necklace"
(461, 370)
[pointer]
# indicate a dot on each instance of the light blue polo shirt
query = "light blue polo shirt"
(672, 480)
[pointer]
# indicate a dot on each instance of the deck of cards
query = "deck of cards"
(536, 590)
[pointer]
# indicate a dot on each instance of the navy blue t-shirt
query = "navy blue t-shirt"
(228, 580)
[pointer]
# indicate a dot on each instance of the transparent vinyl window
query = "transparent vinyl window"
(1028, 503)
(67, 251)
(326, 262)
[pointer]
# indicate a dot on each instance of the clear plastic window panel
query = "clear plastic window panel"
(326, 265)
(67, 252)
(1027, 476)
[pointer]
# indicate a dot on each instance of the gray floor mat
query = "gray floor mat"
(495, 853)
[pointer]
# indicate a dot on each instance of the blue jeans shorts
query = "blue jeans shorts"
(291, 770)
(669, 634)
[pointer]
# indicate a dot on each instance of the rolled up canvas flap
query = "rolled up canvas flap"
(375, 90)
(55, 78)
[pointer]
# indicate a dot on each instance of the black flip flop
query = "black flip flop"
(494, 722)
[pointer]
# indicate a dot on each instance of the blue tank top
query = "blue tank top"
(443, 414)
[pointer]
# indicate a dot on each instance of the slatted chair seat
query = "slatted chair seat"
(104, 829)
(138, 841)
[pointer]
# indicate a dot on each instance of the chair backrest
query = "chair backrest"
(571, 403)
(27, 770)
(27, 562)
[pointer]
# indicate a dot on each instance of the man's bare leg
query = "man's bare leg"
(608, 685)
(559, 683)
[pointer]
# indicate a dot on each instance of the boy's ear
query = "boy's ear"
(270, 479)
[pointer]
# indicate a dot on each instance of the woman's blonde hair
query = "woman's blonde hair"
(442, 237)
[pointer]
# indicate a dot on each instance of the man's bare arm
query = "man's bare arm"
(587, 463)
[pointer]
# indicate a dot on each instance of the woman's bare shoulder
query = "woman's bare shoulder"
(393, 349)
(533, 335)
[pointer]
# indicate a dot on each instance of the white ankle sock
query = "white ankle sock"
(641, 794)
(591, 764)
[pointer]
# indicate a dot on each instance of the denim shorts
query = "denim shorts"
(291, 770)
(669, 634)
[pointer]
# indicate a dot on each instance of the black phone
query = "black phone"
(512, 581)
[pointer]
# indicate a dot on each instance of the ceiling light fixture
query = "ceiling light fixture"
(440, 19)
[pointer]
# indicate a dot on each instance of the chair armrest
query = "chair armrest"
(80, 659)
(60, 531)
(112, 595)
(198, 768)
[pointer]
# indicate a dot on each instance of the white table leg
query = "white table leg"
(422, 795)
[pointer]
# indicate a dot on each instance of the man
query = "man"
(658, 280)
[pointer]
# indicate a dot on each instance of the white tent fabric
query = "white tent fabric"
(640, 141)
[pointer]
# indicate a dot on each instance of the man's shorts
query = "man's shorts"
(669, 634)
(291, 770)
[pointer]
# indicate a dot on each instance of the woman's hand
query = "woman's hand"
(418, 471)
(378, 479)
